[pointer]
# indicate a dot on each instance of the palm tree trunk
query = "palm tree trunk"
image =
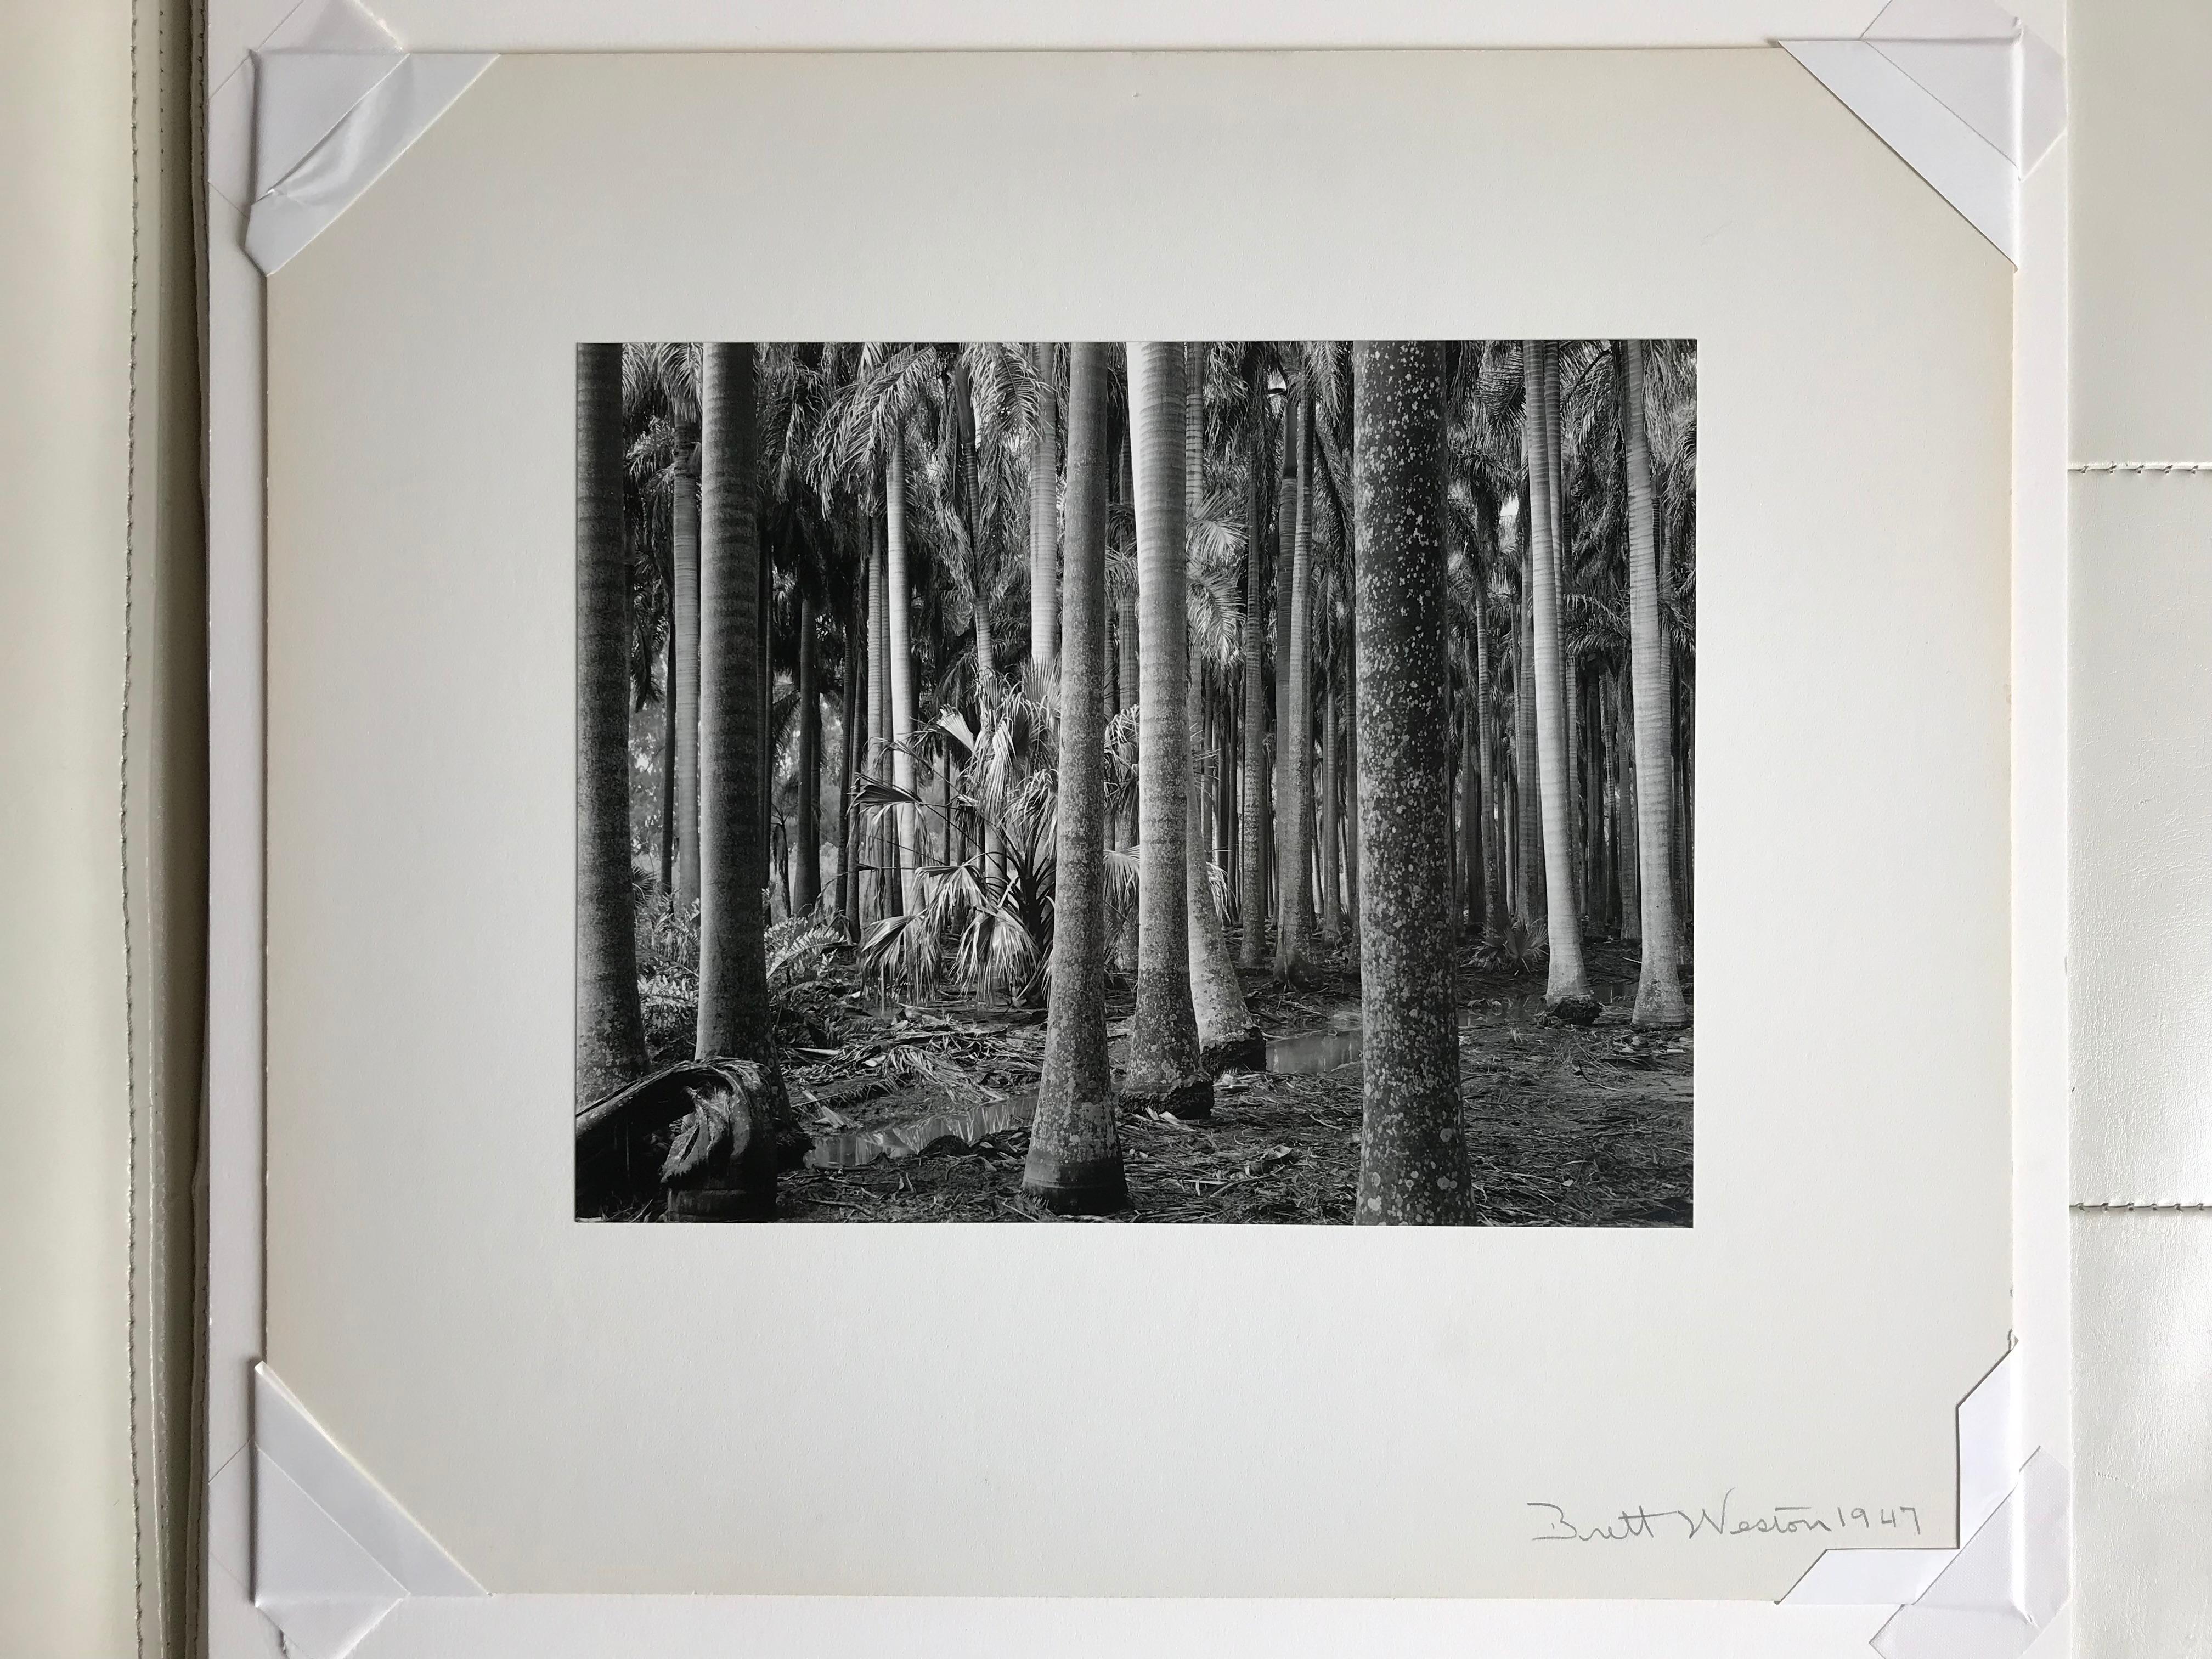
(1413, 1155)
(885, 860)
(1351, 772)
(1562, 546)
(1293, 813)
(1227, 1033)
(848, 839)
(986, 656)
(1659, 1000)
(1074, 1164)
(1473, 842)
(1529, 865)
(806, 870)
(668, 759)
(897, 593)
(1493, 863)
(683, 620)
(1567, 991)
(1251, 866)
(734, 1016)
(1331, 905)
(1631, 894)
(1281, 842)
(1044, 546)
(610, 1030)
(1163, 1073)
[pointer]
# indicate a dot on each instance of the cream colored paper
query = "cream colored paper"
(1098, 1410)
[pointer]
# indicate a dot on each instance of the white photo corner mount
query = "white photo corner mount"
(1964, 93)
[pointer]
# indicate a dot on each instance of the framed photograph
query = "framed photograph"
(1348, 750)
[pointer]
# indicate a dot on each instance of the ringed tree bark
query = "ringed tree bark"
(1293, 812)
(849, 841)
(1528, 799)
(609, 1030)
(1227, 1033)
(806, 866)
(734, 1016)
(1659, 1000)
(683, 623)
(1044, 542)
(1493, 868)
(1412, 1153)
(898, 594)
(885, 836)
(1251, 855)
(1165, 1070)
(1074, 1164)
(1567, 993)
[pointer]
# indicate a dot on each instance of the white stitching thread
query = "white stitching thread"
(130, 450)
(2140, 466)
(2141, 1204)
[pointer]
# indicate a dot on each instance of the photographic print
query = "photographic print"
(1234, 781)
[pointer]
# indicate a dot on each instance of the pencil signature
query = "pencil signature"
(1726, 1521)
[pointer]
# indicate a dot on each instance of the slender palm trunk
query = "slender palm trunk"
(1473, 843)
(1567, 992)
(683, 620)
(1493, 863)
(1626, 841)
(1659, 999)
(1293, 813)
(1227, 1033)
(1331, 906)
(1412, 1158)
(1044, 549)
(1251, 861)
(807, 853)
(1529, 837)
(668, 759)
(849, 840)
(897, 593)
(1351, 772)
(884, 837)
(734, 1016)
(1075, 1163)
(1281, 842)
(1163, 1073)
(610, 1030)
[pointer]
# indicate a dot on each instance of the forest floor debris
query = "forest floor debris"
(920, 1112)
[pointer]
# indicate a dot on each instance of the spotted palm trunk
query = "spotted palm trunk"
(609, 1031)
(1414, 1162)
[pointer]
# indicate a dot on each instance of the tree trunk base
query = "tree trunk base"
(1092, 1187)
(720, 1204)
(1189, 1098)
(1244, 1051)
(1573, 1010)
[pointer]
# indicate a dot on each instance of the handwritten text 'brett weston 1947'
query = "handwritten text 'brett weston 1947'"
(1895, 1522)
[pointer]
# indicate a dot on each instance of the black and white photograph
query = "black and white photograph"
(1234, 781)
